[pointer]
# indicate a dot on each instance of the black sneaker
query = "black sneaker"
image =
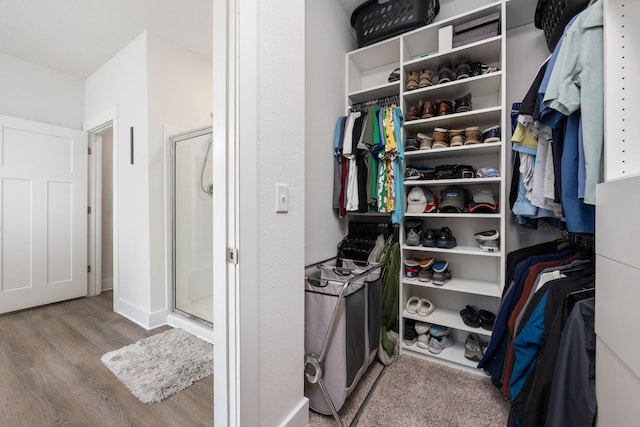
(429, 238)
(410, 334)
(445, 239)
(470, 316)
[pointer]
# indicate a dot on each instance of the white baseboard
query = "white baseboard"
(107, 285)
(299, 417)
(141, 316)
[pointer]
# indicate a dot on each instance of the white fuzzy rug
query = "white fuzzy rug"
(159, 366)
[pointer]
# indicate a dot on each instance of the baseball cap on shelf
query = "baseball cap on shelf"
(483, 200)
(453, 199)
(421, 200)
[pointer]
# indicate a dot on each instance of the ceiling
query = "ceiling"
(77, 37)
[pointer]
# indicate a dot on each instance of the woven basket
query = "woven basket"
(377, 20)
(552, 16)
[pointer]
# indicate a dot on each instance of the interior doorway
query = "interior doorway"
(102, 197)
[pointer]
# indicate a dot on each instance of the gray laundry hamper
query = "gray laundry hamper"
(343, 307)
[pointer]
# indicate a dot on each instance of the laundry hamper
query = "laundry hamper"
(343, 305)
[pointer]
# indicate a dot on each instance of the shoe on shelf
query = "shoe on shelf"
(410, 335)
(411, 144)
(444, 107)
(425, 274)
(411, 270)
(413, 80)
(413, 237)
(423, 341)
(395, 75)
(422, 327)
(440, 279)
(412, 305)
(463, 69)
(440, 134)
(428, 110)
(425, 307)
(413, 113)
(426, 78)
(439, 331)
(425, 141)
(491, 134)
(487, 235)
(429, 238)
(489, 245)
(470, 316)
(487, 319)
(440, 144)
(436, 345)
(463, 104)
(444, 73)
(427, 263)
(456, 137)
(440, 266)
(473, 348)
(445, 239)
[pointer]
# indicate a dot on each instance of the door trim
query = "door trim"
(94, 126)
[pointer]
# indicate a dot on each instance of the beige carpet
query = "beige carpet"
(414, 392)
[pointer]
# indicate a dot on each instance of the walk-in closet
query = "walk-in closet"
(507, 238)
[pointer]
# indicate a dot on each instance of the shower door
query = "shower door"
(193, 224)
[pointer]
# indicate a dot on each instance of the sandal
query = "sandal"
(394, 76)
(425, 307)
(426, 78)
(412, 305)
(413, 80)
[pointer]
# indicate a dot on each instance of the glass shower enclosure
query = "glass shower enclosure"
(192, 197)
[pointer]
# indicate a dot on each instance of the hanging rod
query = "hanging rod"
(385, 101)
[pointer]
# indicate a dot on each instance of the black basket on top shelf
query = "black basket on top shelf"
(377, 20)
(552, 16)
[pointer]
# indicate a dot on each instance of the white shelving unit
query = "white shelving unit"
(477, 276)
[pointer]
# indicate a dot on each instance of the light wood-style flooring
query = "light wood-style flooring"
(51, 373)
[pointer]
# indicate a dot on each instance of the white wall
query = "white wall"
(271, 250)
(325, 101)
(180, 95)
(122, 83)
(33, 92)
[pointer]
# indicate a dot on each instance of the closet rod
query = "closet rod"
(385, 101)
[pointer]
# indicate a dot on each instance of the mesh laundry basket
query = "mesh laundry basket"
(343, 308)
(552, 16)
(377, 20)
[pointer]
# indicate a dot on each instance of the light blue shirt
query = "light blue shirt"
(577, 82)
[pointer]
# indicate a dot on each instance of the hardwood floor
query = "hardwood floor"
(51, 373)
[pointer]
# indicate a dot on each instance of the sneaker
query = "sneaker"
(411, 269)
(425, 274)
(429, 238)
(445, 74)
(473, 348)
(438, 331)
(470, 316)
(440, 266)
(426, 263)
(487, 319)
(445, 239)
(463, 104)
(413, 238)
(491, 134)
(489, 245)
(423, 341)
(436, 345)
(422, 327)
(411, 144)
(442, 278)
(410, 334)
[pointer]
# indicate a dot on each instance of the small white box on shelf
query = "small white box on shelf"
(445, 39)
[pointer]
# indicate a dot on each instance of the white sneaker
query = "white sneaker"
(437, 344)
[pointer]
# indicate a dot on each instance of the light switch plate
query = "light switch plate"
(282, 198)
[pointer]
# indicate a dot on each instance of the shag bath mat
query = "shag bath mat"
(159, 366)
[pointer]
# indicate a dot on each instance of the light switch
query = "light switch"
(282, 198)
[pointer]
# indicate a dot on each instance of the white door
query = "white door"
(43, 214)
